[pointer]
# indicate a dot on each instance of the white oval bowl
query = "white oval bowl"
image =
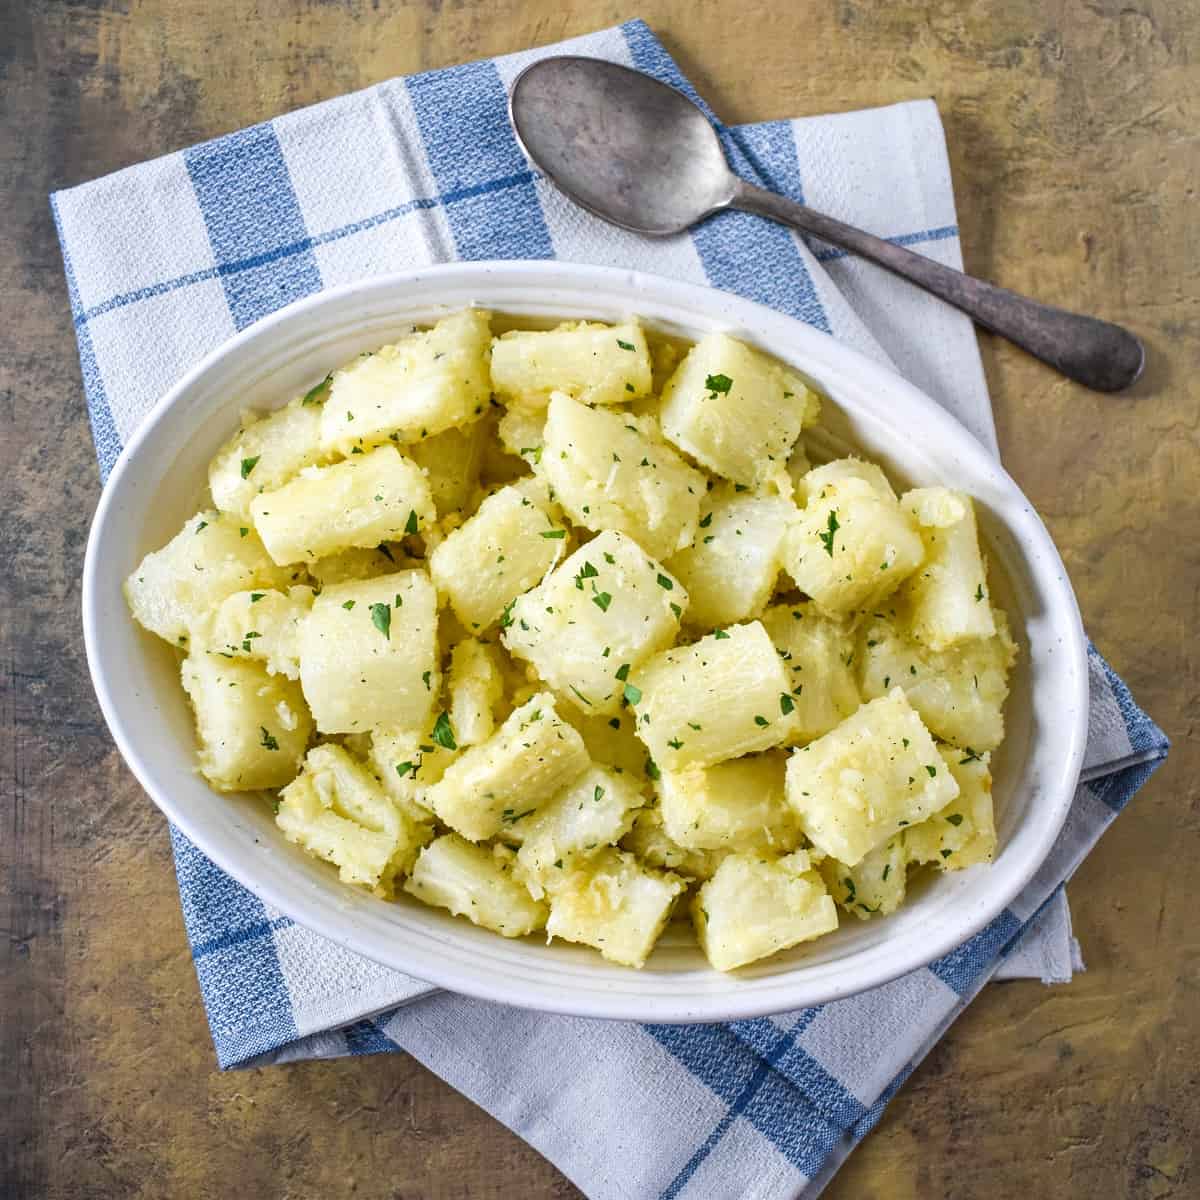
(161, 475)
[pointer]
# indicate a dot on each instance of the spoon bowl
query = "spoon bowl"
(621, 144)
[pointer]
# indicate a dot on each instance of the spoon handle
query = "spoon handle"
(1097, 354)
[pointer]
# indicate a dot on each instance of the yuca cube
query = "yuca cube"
(264, 625)
(452, 461)
(864, 781)
(594, 811)
(338, 811)
(612, 741)
(359, 563)
(363, 856)
(737, 805)
(407, 763)
(752, 908)
(964, 832)
(730, 569)
(818, 658)
(959, 692)
(522, 432)
(946, 600)
(851, 547)
(594, 618)
(368, 499)
(509, 543)
(266, 452)
(615, 904)
(210, 558)
(432, 380)
(368, 654)
(596, 364)
(651, 843)
(735, 411)
(876, 885)
(494, 786)
(841, 469)
(475, 684)
(253, 727)
(719, 698)
(609, 471)
(476, 882)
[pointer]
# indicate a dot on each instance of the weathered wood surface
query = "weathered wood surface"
(1073, 132)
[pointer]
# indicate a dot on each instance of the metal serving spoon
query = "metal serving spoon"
(641, 155)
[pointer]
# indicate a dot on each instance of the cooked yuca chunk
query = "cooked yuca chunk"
(597, 364)
(609, 471)
(266, 452)
(875, 885)
(876, 773)
(959, 692)
(752, 908)
(337, 810)
(735, 411)
(594, 811)
(476, 882)
(947, 599)
(253, 727)
(475, 684)
(359, 563)
(368, 654)
(719, 698)
(263, 625)
(730, 569)
(851, 546)
(378, 497)
(509, 543)
(735, 805)
(611, 741)
(452, 461)
(615, 904)
(840, 469)
(964, 832)
(818, 657)
(210, 558)
(522, 432)
(594, 618)
(408, 763)
(654, 846)
(493, 786)
(429, 381)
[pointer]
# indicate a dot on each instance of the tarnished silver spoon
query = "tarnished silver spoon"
(641, 155)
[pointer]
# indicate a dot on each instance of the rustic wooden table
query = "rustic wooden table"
(1072, 127)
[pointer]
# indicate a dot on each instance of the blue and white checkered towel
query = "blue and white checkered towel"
(167, 259)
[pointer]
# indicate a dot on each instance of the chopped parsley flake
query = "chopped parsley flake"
(718, 383)
(248, 465)
(407, 768)
(761, 721)
(255, 597)
(268, 741)
(554, 533)
(979, 592)
(652, 770)
(349, 605)
(666, 583)
(602, 600)
(719, 633)
(786, 704)
(623, 672)
(425, 678)
(955, 818)
(443, 734)
(310, 397)
(626, 345)
(932, 770)
(381, 618)
(632, 694)
(831, 529)
(410, 526)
